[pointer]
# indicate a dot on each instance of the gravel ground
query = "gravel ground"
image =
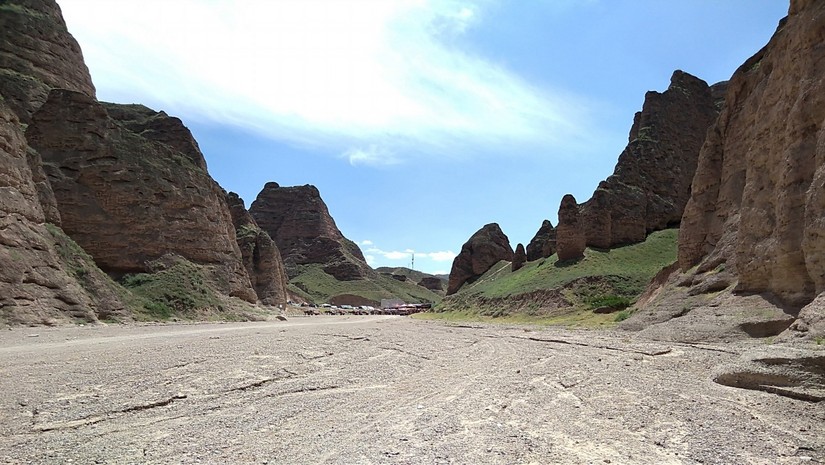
(383, 390)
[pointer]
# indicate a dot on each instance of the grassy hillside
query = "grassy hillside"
(551, 289)
(412, 275)
(313, 282)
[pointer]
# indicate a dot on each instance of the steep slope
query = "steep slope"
(754, 227)
(651, 182)
(128, 199)
(37, 53)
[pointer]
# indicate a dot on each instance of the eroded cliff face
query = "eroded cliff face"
(128, 199)
(650, 185)
(754, 226)
(485, 248)
(44, 277)
(261, 256)
(37, 53)
(758, 202)
(299, 222)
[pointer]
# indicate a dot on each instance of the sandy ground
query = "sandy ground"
(383, 390)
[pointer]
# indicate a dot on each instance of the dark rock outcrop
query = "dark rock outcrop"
(128, 199)
(299, 222)
(519, 258)
(261, 256)
(570, 236)
(759, 192)
(37, 54)
(484, 249)
(432, 283)
(543, 243)
(650, 185)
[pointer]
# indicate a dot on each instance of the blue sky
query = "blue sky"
(419, 120)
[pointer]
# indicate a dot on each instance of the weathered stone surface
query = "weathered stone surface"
(519, 258)
(42, 280)
(786, 371)
(299, 222)
(484, 249)
(261, 256)
(128, 199)
(570, 236)
(37, 53)
(543, 243)
(758, 202)
(651, 182)
(432, 283)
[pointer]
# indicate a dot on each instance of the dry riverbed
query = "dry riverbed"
(383, 390)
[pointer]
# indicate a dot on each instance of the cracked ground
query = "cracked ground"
(383, 390)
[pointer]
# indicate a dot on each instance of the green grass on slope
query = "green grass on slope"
(313, 281)
(630, 268)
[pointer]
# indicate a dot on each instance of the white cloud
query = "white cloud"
(444, 256)
(370, 260)
(366, 242)
(373, 81)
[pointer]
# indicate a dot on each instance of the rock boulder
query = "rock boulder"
(484, 249)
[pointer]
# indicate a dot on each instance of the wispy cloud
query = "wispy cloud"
(406, 254)
(373, 81)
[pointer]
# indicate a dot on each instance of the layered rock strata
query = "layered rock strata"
(261, 256)
(299, 222)
(37, 53)
(651, 182)
(129, 199)
(484, 249)
(758, 200)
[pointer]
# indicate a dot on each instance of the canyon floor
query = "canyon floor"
(383, 390)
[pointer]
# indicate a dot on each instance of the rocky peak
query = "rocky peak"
(299, 222)
(570, 238)
(519, 258)
(543, 243)
(484, 249)
(37, 54)
(651, 183)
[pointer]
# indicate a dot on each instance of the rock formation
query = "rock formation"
(758, 197)
(484, 249)
(37, 53)
(519, 258)
(651, 182)
(128, 199)
(432, 283)
(261, 257)
(299, 222)
(543, 243)
(570, 235)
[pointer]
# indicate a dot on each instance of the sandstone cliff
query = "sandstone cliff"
(651, 182)
(261, 256)
(484, 249)
(128, 199)
(37, 53)
(754, 224)
(299, 222)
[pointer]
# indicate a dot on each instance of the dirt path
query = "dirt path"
(375, 390)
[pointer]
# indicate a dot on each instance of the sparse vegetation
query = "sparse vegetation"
(613, 278)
